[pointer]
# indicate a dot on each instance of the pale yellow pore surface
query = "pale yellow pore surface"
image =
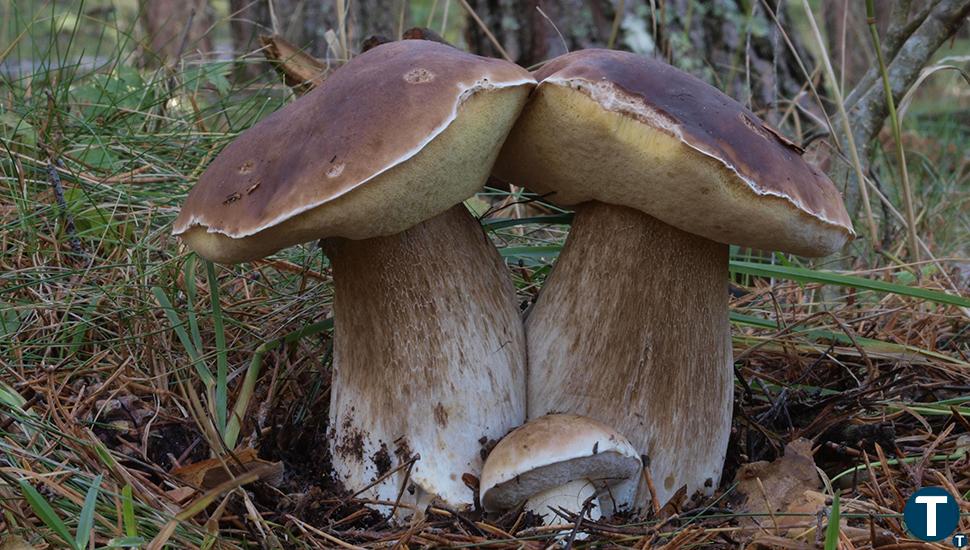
(450, 168)
(567, 144)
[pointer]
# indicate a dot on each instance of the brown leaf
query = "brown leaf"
(180, 495)
(787, 485)
(785, 480)
(211, 473)
(301, 70)
(13, 542)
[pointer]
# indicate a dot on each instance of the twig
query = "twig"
(481, 24)
(55, 180)
(330, 538)
(185, 36)
(407, 464)
(645, 472)
(617, 17)
(404, 484)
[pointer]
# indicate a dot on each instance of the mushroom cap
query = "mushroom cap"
(396, 136)
(553, 450)
(628, 130)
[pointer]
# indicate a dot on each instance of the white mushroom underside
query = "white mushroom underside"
(570, 497)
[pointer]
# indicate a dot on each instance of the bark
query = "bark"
(530, 38)
(176, 28)
(740, 52)
(305, 24)
(429, 359)
(847, 38)
(631, 329)
(249, 19)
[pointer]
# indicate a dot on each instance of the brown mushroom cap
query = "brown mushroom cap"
(398, 135)
(628, 130)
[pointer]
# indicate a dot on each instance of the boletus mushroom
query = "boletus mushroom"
(561, 462)
(429, 354)
(663, 171)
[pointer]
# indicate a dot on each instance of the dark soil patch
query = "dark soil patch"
(308, 490)
(171, 442)
(176, 440)
(382, 460)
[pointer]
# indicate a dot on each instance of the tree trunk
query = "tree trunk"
(740, 52)
(847, 38)
(176, 28)
(913, 35)
(305, 24)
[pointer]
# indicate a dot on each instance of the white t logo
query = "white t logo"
(930, 503)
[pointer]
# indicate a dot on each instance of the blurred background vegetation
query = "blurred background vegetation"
(117, 347)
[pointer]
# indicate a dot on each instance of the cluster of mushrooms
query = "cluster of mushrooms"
(624, 360)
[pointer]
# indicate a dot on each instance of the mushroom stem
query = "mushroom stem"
(570, 497)
(429, 358)
(631, 329)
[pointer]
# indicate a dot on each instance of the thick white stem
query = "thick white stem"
(631, 329)
(429, 358)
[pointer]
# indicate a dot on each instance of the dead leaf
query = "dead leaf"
(13, 542)
(211, 473)
(180, 495)
(301, 70)
(784, 479)
(787, 485)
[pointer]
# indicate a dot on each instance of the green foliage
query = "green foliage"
(832, 530)
(46, 513)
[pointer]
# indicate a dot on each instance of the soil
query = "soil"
(308, 489)
(175, 440)
(171, 442)
(382, 459)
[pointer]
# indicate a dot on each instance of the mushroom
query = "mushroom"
(429, 353)
(664, 171)
(561, 461)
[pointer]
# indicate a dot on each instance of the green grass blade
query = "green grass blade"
(550, 251)
(803, 275)
(791, 273)
(252, 374)
(79, 330)
(128, 512)
(183, 336)
(85, 521)
(751, 320)
(222, 361)
(832, 531)
(43, 509)
(503, 223)
(188, 274)
(126, 542)
(962, 452)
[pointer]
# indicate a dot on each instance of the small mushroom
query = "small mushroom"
(561, 461)
(376, 162)
(663, 171)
